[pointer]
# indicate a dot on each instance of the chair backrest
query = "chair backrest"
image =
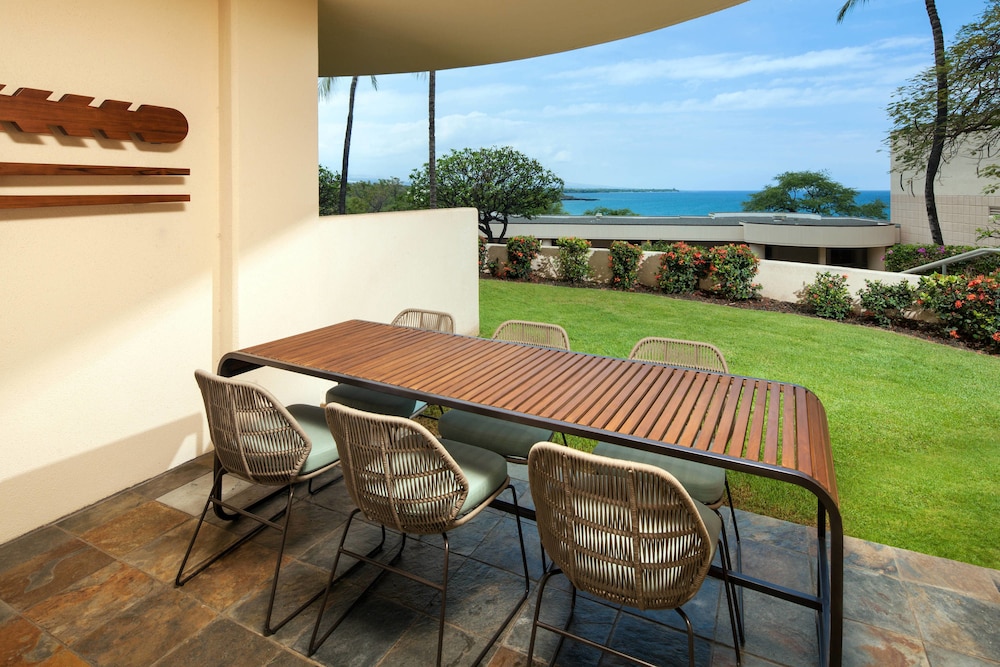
(432, 320)
(255, 437)
(396, 472)
(684, 353)
(624, 531)
(533, 333)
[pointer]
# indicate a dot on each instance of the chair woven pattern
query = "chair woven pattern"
(684, 353)
(396, 472)
(623, 531)
(533, 333)
(255, 437)
(432, 320)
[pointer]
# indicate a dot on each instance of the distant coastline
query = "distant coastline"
(568, 196)
(674, 202)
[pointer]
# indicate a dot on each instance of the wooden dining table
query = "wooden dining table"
(766, 428)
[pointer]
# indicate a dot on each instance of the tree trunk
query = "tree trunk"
(431, 141)
(940, 123)
(342, 204)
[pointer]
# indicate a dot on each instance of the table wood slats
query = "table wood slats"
(773, 423)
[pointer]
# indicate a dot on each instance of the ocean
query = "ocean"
(694, 202)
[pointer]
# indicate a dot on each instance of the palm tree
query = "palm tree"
(940, 116)
(431, 141)
(325, 86)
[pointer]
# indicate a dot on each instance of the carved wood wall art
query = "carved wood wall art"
(31, 110)
(44, 201)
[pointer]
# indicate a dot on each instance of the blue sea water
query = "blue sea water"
(694, 202)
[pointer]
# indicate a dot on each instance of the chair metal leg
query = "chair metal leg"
(527, 582)
(314, 642)
(734, 615)
(690, 635)
(727, 566)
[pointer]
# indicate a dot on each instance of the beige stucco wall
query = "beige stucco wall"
(107, 310)
(958, 192)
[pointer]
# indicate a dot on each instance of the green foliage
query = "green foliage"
(969, 308)
(604, 210)
(905, 256)
(521, 250)
(811, 192)
(623, 259)
(733, 268)
(383, 195)
(884, 302)
(681, 265)
(574, 259)
(656, 246)
(972, 66)
(827, 296)
(556, 208)
(875, 210)
(498, 182)
(483, 253)
(992, 230)
(329, 191)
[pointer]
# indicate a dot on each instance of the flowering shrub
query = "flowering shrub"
(901, 257)
(827, 296)
(574, 259)
(623, 260)
(968, 307)
(733, 268)
(884, 302)
(521, 250)
(482, 253)
(681, 265)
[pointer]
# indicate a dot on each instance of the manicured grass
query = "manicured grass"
(915, 425)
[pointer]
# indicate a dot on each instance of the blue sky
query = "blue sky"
(724, 102)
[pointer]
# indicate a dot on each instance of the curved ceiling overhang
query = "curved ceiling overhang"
(362, 37)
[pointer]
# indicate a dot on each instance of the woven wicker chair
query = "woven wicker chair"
(402, 477)
(370, 400)
(533, 333)
(684, 353)
(624, 532)
(706, 484)
(509, 439)
(260, 441)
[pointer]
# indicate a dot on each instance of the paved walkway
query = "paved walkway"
(96, 588)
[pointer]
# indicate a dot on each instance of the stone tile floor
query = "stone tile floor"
(96, 588)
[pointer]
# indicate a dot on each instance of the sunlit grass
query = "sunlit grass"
(915, 425)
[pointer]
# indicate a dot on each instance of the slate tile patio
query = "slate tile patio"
(96, 588)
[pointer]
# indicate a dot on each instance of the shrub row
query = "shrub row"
(905, 256)
(968, 308)
(731, 267)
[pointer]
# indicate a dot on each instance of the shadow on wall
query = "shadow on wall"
(36, 498)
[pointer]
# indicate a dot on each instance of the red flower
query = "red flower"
(953, 333)
(958, 304)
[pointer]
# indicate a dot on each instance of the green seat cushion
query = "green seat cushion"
(485, 470)
(312, 419)
(506, 438)
(704, 483)
(370, 400)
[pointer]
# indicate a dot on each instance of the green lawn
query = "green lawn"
(915, 425)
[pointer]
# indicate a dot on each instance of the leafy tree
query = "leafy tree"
(973, 123)
(385, 194)
(499, 182)
(604, 210)
(938, 125)
(811, 192)
(329, 191)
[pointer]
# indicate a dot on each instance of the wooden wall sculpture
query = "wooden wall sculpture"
(30, 110)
